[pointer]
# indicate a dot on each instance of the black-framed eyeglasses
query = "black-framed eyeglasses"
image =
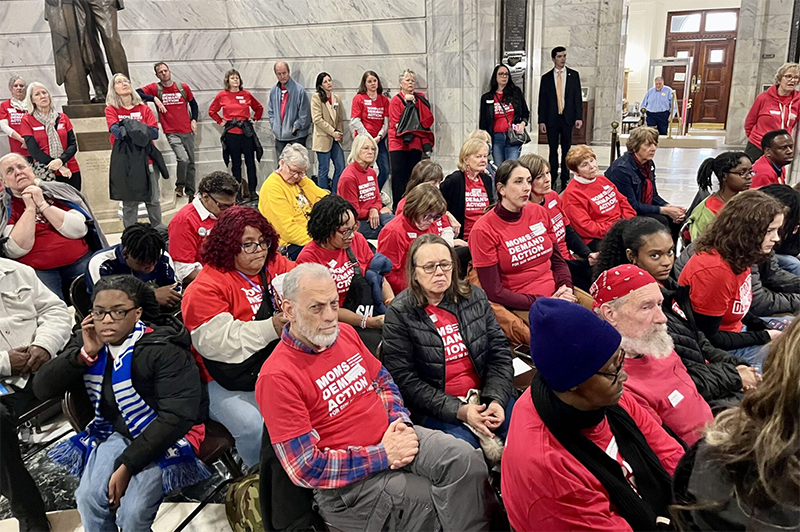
(430, 267)
(620, 362)
(252, 247)
(221, 206)
(116, 314)
(744, 173)
(347, 233)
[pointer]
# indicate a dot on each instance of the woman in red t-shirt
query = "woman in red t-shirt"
(236, 103)
(503, 108)
(358, 184)
(11, 113)
(370, 116)
(49, 138)
(718, 274)
(468, 191)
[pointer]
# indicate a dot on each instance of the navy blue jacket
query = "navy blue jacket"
(626, 176)
(109, 261)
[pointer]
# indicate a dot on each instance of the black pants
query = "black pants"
(666, 221)
(239, 145)
(753, 151)
(559, 134)
(16, 484)
(402, 164)
(581, 273)
(74, 180)
(659, 120)
(281, 144)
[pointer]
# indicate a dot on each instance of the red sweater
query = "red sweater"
(594, 207)
(770, 112)
(546, 488)
(359, 186)
(396, 107)
(765, 173)
(234, 105)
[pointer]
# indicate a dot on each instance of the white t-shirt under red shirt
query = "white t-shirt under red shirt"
(522, 249)
(460, 375)
(475, 202)
(337, 261)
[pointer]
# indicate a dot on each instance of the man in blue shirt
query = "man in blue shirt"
(658, 102)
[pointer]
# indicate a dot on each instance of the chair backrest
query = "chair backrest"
(77, 408)
(584, 299)
(80, 298)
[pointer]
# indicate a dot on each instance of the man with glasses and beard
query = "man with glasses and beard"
(338, 425)
(630, 299)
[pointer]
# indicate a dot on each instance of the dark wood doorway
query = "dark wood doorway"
(709, 37)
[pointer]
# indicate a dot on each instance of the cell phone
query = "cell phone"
(777, 325)
(5, 390)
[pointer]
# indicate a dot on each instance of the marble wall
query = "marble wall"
(448, 43)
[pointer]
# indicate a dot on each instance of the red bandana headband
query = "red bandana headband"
(619, 282)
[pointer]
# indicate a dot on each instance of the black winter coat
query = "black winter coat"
(163, 373)
(413, 352)
(129, 174)
(454, 190)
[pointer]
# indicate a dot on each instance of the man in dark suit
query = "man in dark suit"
(560, 108)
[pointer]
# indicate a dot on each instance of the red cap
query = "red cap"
(619, 282)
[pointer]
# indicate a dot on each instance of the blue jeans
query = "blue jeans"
(58, 280)
(369, 233)
(324, 159)
(501, 151)
(383, 163)
(378, 267)
(461, 432)
(138, 507)
(755, 354)
(239, 412)
(790, 263)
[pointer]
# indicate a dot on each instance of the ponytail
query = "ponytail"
(719, 166)
(625, 235)
(704, 174)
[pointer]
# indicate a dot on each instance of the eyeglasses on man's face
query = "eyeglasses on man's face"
(620, 362)
(253, 247)
(430, 267)
(116, 314)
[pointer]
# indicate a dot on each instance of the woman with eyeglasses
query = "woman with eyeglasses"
(149, 407)
(232, 310)
(734, 172)
(191, 225)
(775, 108)
(441, 340)
(503, 108)
(422, 214)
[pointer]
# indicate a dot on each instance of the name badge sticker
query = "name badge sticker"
(675, 397)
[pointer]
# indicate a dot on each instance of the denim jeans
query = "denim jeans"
(58, 280)
(139, 505)
(790, 263)
(239, 412)
(463, 433)
(755, 354)
(324, 160)
(378, 267)
(501, 151)
(371, 234)
(383, 163)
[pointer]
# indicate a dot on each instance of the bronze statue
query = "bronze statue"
(76, 28)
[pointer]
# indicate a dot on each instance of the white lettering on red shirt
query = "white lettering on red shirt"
(460, 375)
(607, 200)
(343, 383)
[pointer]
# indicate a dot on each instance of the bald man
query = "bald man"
(289, 110)
(658, 102)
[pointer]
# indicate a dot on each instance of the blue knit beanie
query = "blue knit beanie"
(569, 343)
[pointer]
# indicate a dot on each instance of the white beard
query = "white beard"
(319, 340)
(654, 342)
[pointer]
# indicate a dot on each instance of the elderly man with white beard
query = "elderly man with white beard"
(629, 298)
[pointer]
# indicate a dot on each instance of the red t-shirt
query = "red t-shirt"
(284, 101)
(188, 231)
(330, 392)
(177, 118)
(371, 112)
(475, 202)
(140, 113)
(460, 375)
(234, 105)
(50, 249)
(337, 261)
(502, 120)
(714, 204)
(359, 186)
(442, 224)
(594, 207)
(522, 249)
(14, 117)
(394, 241)
(715, 290)
(31, 127)
(559, 221)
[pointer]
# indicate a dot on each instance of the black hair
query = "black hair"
(326, 217)
(625, 235)
(770, 136)
(136, 290)
(322, 94)
(143, 243)
(218, 183)
(790, 240)
(509, 91)
(556, 50)
(362, 87)
(719, 166)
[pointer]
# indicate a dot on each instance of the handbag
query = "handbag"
(359, 295)
(513, 138)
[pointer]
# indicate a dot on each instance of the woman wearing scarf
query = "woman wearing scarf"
(49, 138)
(149, 406)
(11, 113)
(580, 454)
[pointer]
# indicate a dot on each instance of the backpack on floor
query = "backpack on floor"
(242, 505)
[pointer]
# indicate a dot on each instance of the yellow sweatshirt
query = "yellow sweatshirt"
(287, 207)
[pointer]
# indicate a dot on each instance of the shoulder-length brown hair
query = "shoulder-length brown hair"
(458, 289)
(228, 75)
(424, 199)
(738, 230)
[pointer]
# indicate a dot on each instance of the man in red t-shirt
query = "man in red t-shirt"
(171, 100)
(338, 425)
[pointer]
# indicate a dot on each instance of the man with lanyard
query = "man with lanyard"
(171, 99)
(770, 168)
(658, 102)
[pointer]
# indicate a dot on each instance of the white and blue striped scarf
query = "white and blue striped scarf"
(179, 465)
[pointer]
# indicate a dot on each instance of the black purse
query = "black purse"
(359, 295)
(512, 137)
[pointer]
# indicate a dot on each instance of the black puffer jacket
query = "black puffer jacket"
(713, 370)
(413, 353)
(166, 377)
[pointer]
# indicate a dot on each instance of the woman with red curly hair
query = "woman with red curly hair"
(233, 323)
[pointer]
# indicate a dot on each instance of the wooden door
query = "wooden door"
(673, 76)
(715, 68)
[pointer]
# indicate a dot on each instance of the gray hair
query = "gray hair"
(614, 304)
(406, 72)
(13, 80)
(29, 96)
(296, 154)
(659, 78)
(309, 270)
(358, 143)
(113, 99)
(13, 155)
